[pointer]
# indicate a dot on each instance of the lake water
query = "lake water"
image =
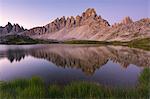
(115, 66)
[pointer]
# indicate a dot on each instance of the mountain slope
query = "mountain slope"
(125, 31)
(90, 26)
(80, 27)
(10, 29)
(87, 26)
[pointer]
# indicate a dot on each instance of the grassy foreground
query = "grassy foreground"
(36, 89)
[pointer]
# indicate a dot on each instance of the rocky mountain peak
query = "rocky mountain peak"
(90, 17)
(90, 12)
(7, 28)
(9, 24)
(11, 29)
(17, 28)
(127, 20)
(78, 20)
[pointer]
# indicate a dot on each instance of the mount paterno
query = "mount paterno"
(90, 26)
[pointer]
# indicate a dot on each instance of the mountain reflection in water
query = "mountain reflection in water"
(87, 58)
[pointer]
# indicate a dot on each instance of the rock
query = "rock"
(104, 23)
(7, 28)
(98, 18)
(78, 20)
(72, 23)
(68, 21)
(11, 29)
(62, 22)
(90, 12)
(127, 20)
(36, 31)
(16, 28)
(53, 27)
(56, 22)
(1, 29)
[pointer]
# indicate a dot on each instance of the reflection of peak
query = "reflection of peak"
(16, 55)
(87, 59)
(71, 61)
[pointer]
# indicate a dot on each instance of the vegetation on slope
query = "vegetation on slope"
(140, 43)
(36, 89)
(137, 43)
(16, 39)
(19, 39)
(85, 42)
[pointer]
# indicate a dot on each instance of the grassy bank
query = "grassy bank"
(140, 43)
(137, 43)
(36, 89)
(85, 42)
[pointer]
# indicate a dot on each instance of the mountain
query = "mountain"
(79, 27)
(10, 29)
(87, 26)
(90, 26)
(125, 31)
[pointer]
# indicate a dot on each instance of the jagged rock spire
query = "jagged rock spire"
(126, 20)
(90, 12)
(9, 28)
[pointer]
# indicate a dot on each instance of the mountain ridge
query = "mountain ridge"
(11, 29)
(90, 26)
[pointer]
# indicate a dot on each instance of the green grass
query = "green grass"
(36, 89)
(144, 81)
(95, 42)
(140, 43)
(137, 43)
(85, 42)
(16, 39)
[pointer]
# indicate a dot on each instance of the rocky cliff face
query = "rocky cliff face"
(125, 31)
(89, 19)
(125, 21)
(10, 29)
(87, 26)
